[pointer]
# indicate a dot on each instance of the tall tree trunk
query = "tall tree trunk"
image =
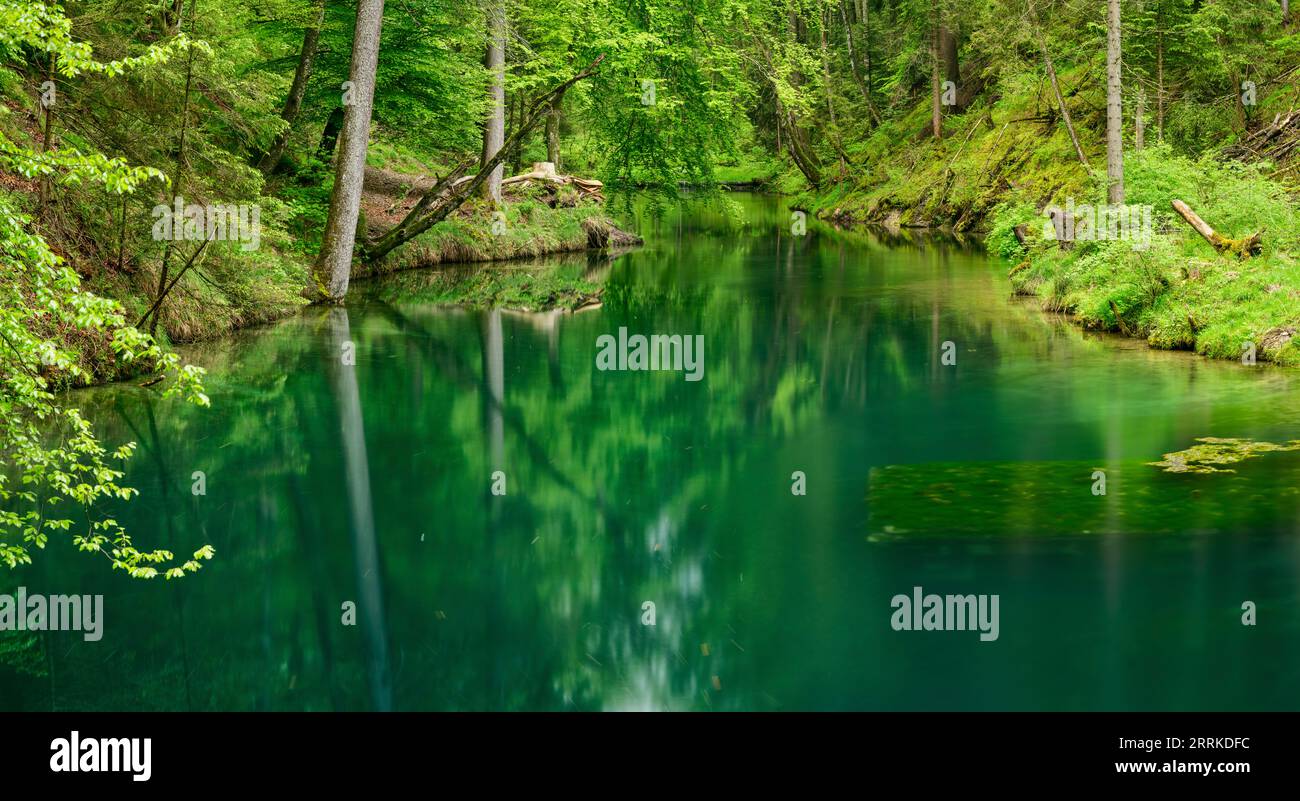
(177, 171)
(936, 111)
(863, 86)
(1114, 108)
(1056, 88)
(292, 103)
(329, 137)
(494, 130)
(47, 137)
(333, 267)
(787, 127)
(1160, 82)
(517, 152)
(553, 133)
(948, 51)
(1139, 125)
(835, 137)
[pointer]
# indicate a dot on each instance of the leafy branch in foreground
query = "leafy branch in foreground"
(52, 459)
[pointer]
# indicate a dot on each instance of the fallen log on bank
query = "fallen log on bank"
(544, 172)
(1242, 248)
(455, 188)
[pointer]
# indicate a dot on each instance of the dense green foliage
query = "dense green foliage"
(895, 111)
(53, 458)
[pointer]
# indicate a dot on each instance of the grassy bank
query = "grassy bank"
(1178, 292)
(1006, 160)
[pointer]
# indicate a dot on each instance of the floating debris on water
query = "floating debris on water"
(1214, 451)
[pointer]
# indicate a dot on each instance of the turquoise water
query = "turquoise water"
(371, 483)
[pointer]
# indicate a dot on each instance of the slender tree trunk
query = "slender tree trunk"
(936, 111)
(121, 238)
(517, 152)
(836, 139)
(553, 133)
(863, 86)
(333, 267)
(804, 158)
(1114, 107)
(292, 103)
(1139, 125)
(178, 170)
(1056, 89)
(329, 137)
(47, 137)
(951, 65)
(1160, 82)
(494, 131)
(1238, 103)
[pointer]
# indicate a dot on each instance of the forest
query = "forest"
(174, 170)
(352, 354)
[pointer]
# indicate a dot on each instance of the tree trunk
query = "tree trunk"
(951, 65)
(517, 151)
(1250, 246)
(936, 111)
(1114, 108)
(835, 137)
(334, 265)
(177, 172)
(1139, 125)
(47, 137)
(494, 130)
(1056, 89)
(329, 137)
(553, 132)
(1160, 84)
(292, 103)
(863, 86)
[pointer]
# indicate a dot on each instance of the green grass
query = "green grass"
(1000, 163)
(1180, 293)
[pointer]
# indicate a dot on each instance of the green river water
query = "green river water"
(329, 483)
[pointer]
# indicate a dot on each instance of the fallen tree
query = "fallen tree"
(543, 172)
(1242, 248)
(453, 189)
(1275, 142)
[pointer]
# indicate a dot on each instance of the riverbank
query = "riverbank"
(230, 288)
(1003, 164)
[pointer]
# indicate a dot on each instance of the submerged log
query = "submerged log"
(1242, 248)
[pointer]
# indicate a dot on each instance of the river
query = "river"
(871, 416)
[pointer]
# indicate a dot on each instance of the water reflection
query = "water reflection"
(372, 483)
